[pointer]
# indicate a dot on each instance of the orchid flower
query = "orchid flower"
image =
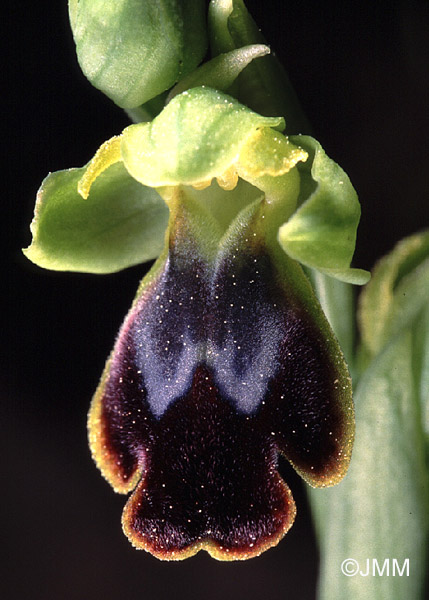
(225, 358)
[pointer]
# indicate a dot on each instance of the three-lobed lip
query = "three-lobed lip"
(220, 365)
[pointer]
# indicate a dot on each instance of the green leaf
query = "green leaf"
(321, 233)
(397, 292)
(380, 510)
(421, 353)
(122, 223)
(220, 72)
(263, 85)
(133, 50)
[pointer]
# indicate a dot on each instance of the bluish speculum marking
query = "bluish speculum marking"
(168, 335)
(179, 328)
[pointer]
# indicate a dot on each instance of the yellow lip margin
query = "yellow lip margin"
(215, 550)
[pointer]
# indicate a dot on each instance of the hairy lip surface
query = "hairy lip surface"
(216, 370)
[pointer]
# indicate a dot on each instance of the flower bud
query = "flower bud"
(132, 50)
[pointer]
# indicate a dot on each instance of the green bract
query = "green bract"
(133, 50)
(202, 136)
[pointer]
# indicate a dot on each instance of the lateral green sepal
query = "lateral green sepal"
(321, 234)
(122, 223)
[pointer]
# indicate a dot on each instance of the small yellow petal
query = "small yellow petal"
(268, 152)
(202, 185)
(108, 154)
(229, 179)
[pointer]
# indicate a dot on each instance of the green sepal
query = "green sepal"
(220, 72)
(398, 291)
(122, 223)
(263, 85)
(198, 136)
(133, 50)
(321, 234)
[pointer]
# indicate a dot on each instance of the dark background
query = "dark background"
(361, 72)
